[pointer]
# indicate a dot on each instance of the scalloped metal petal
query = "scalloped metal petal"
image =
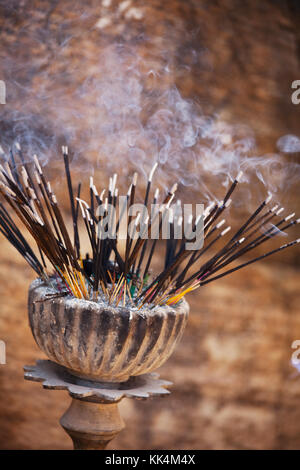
(55, 377)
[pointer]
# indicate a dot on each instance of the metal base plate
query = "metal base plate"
(55, 377)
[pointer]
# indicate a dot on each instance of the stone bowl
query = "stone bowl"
(95, 341)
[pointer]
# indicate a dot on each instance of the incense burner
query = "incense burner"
(97, 342)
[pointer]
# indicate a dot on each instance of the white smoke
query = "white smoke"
(125, 113)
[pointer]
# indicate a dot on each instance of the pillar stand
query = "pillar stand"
(93, 419)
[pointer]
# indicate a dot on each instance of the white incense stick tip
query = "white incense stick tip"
(289, 216)
(81, 208)
(298, 240)
(91, 182)
(102, 194)
(152, 171)
(37, 164)
(225, 231)
(209, 208)
(8, 171)
(241, 240)
(32, 193)
(222, 222)
(65, 150)
(227, 204)
(18, 146)
(156, 194)
(279, 211)
(24, 176)
(129, 190)
(274, 208)
(94, 189)
(10, 192)
(49, 187)
(114, 181)
(268, 199)
(170, 201)
(298, 221)
(239, 176)
(82, 201)
(37, 177)
(134, 179)
(54, 199)
(174, 188)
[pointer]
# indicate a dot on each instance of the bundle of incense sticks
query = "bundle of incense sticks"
(106, 273)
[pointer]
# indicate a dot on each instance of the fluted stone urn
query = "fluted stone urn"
(102, 343)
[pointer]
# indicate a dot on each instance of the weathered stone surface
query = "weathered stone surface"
(98, 347)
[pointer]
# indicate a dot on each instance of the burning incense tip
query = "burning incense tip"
(225, 231)
(134, 179)
(8, 171)
(222, 222)
(24, 177)
(174, 188)
(289, 217)
(129, 190)
(37, 164)
(152, 171)
(114, 181)
(208, 210)
(268, 199)
(239, 176)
